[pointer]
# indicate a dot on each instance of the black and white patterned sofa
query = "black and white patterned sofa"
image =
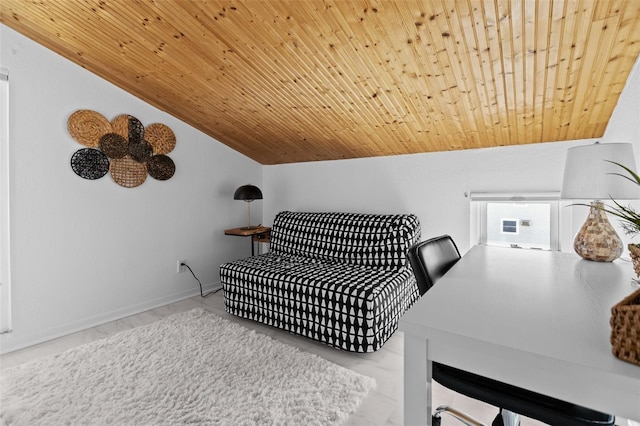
(340, 278)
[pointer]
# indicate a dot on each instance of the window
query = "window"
(528, 220)
(509, 226)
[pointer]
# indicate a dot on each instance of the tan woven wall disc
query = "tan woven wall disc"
(87, 127)
(161, 138)
(120, 125)
(128, 172)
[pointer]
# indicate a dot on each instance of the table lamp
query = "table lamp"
(590, 175)
(248, 193)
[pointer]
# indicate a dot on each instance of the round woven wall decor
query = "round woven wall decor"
(114, 145)
(128, 127)
(140, 151)
(128, 172)
(161, 167)
(89, 163)
(120, 125)
(87, 127)
(161, 138)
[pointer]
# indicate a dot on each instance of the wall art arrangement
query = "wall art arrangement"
(122, 147)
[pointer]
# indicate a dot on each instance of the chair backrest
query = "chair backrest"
(431, 259)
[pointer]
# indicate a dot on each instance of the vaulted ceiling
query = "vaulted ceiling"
(292, 80)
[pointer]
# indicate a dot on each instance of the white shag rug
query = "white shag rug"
(190, 368)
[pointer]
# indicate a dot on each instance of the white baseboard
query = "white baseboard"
(10, 342)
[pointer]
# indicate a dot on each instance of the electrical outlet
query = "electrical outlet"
(180, 267)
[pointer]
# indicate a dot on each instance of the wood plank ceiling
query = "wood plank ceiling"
(286, 81)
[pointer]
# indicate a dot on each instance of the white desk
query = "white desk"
(534, 319)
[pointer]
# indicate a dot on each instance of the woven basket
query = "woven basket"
(625, 328)
(87, 127)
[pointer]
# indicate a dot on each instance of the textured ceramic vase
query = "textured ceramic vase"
(597, 240)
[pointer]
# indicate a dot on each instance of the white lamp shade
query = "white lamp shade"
(589, 175)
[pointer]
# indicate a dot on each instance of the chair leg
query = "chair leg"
(510, 418)
(458, 415)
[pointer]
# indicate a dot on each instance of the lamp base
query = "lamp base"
(597, 240)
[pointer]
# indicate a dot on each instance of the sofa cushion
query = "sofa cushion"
(372, 240)
(351, 307)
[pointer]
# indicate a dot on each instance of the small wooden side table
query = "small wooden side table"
(259, 233)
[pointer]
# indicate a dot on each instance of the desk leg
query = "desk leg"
(417, 382)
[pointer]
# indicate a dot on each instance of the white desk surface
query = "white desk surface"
(535, 319)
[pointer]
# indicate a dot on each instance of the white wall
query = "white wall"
(624, 125)
(433, 185)
(84, 252)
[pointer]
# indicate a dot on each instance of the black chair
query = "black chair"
(430, 260)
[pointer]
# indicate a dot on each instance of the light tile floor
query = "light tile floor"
(382, 407)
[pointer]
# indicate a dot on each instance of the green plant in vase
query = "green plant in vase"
(629, 218)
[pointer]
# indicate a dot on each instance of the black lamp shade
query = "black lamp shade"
(248, 193)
